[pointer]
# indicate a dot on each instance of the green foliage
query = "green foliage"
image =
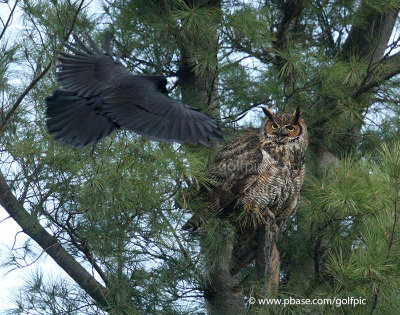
(256, 29)
(352, 212)
(49, 296)
(118, 208)
(217, 249)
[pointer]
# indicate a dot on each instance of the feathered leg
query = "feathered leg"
(272, 253)
(267, 259)
(273, 269)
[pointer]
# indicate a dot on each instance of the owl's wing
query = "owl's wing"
(103, 86)
(238, 160)
(232, 169)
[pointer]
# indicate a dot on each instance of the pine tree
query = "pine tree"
(111, 216)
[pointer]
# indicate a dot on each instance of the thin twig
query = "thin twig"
(7, 24)
(22, 96)
(74, 21)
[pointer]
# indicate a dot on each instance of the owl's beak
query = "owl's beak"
(282, 133)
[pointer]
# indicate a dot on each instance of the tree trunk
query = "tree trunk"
(222, 293)
(223, 296)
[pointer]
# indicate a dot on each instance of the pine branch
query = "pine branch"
(326, 27)
(50, 244)
(22, 96)
(178, 241)
(392, 233)
(41, 74)
(74, 19)
(263, 55)
(291, 10)
(82, 245)
(385, 70)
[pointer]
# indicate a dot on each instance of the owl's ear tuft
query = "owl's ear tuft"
(296, 115)
(268, 113)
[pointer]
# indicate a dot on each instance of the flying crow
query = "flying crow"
(99, 95)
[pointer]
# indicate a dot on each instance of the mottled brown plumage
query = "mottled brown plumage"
(258, 177)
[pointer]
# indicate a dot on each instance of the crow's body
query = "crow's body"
(99, 95)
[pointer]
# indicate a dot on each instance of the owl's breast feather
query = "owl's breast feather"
(278, 180)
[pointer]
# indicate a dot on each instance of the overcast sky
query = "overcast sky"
(11, 281)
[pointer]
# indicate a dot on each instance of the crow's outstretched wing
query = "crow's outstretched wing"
(95, 85)
(77, 121)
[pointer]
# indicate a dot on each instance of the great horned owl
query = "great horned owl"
(259, 174)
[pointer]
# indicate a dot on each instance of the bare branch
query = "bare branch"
(385, 70)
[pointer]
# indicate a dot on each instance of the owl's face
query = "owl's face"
(283, 128)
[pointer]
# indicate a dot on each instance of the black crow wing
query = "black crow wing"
(135, 102)
(75, 120)
(88, 71)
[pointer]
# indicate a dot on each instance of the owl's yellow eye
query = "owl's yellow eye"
(274, 126)
(290, 128)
